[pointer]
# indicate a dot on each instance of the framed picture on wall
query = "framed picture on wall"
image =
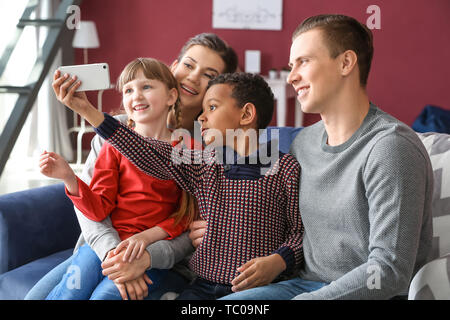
(247, 14)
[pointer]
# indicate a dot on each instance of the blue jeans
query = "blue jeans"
(283, 290)
(84, 280)
(46, 284)
(202, 289)
(172, 282)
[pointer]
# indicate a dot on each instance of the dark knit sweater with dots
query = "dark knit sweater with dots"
(251, 206)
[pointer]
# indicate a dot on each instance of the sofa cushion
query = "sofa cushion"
(15, 284)
(433, 119)
(285, 136)
(438, 147)
(432, 281)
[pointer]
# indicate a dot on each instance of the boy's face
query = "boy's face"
(220, 112)
(315, 74)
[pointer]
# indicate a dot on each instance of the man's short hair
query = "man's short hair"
(247, 87)
(343, 33)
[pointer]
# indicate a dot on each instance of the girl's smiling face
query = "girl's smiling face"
(147, 100)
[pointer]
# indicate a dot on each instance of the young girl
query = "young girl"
(142, 209)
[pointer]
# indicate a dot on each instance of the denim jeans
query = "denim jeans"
(283, 290)
(173, 282)
(202, 289)
(46, 284)
(83, 279)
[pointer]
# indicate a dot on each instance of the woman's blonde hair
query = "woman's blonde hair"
(156, 70)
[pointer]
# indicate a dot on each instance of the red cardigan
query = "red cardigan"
(134, 200)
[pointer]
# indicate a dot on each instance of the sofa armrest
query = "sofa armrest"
(35, 223)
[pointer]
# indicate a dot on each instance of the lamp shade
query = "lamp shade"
(86, 37)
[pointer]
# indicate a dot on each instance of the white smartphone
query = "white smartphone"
(92, 76)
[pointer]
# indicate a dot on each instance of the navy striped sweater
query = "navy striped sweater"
(249, 215)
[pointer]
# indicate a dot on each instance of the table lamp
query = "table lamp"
(86, 38)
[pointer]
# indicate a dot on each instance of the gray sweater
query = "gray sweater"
(366, 209)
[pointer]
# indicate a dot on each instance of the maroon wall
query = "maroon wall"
(412, 49)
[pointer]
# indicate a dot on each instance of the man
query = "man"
(366, 184)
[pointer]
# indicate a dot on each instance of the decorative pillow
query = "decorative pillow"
(432, 281)
(438, 147)
(284, 135)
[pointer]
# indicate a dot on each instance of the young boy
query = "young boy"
(251, 208)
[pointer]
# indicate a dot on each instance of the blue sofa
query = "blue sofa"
(39, 229)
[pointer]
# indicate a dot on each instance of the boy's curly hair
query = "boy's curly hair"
(248, 87)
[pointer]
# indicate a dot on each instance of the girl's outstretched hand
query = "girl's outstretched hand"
(64, 87)
(66, 94)
(54, 166)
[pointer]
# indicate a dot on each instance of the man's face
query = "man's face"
(315, 75)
